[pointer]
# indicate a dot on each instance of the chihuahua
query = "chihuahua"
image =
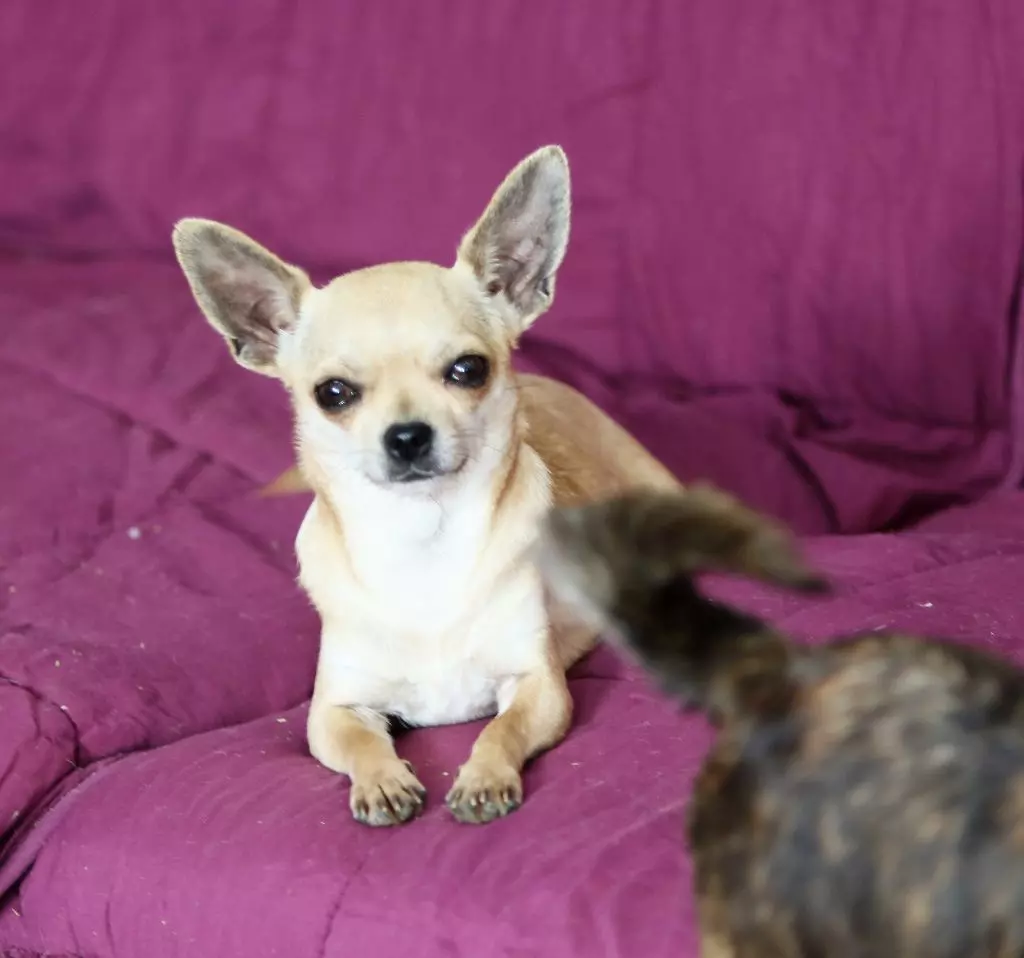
(862, 798)
(432, 464)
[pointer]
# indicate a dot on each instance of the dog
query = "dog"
(432, 464)
(862, 798)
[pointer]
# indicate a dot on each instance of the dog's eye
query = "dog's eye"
(335, 393)
(468, 371)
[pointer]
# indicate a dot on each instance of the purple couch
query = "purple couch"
(795, 269)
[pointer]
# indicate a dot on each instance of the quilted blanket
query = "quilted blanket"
(795, 270)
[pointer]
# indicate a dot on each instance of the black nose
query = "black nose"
(408, 442)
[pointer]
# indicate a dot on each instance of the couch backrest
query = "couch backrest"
(820, 200)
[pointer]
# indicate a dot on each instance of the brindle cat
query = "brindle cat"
(863, 798)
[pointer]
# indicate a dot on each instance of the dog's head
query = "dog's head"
(398, 373)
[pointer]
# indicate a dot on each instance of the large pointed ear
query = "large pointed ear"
(516, 247)
(248, 294)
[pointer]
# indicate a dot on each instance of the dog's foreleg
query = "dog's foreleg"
(355, 742)
(537, 716)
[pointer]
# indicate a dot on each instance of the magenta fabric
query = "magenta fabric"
(809, 211)
(795, 270)
(233, 842)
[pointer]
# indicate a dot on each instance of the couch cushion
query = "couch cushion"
(143, 587)
(236, 842)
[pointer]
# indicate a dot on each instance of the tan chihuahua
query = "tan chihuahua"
(432, 465)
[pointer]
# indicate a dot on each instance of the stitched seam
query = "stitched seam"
(342, 897)
(46, 700)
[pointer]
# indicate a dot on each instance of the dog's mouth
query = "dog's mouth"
(413, 474)
(420, 472)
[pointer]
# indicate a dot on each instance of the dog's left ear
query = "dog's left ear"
(516, 247)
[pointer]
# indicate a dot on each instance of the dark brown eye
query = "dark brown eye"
(470, 372)
(334, 394)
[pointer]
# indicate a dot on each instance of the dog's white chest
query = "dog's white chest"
(423, 627)
(416, 582)
(419, 688)
(432, 664)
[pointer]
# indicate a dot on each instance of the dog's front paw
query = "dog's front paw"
(390, 796)
(483, 792)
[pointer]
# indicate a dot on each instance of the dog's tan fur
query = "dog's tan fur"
(431, 608)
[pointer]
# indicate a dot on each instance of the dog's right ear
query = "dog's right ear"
(248, 295)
